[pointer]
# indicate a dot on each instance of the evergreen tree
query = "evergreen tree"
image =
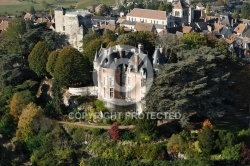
(38, 58)
(200, 83)
(32, 10)
(71, 67)
(52, 62)
(206, 140)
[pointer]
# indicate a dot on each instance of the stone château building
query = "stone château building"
(74, 24)
(124, 75)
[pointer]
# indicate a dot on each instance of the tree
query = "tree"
(45, 5)
(245, 10)
(114, 131)
(57, 98)
(223, 47)
(15, 32)
(242, 86)
(91, 48)
(71, 67)
(146, 125)
(184, 87)
(232, 153)
(193, 40)
(7, 126)
(245, 154)
(32, 10)
(207, 9)
(236, 15)
(174, 145)
(52, 62)
(28, 122)
(38, 58)
(18, 102)
(104, 10)
(224, 140)
(165, 7)
(126, 39)
(14, 70)
(206, 140)
(90, 36)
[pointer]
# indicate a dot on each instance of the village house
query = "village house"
(160, 19)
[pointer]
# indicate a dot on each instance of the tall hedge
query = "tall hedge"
(71, 67)
(38, 58)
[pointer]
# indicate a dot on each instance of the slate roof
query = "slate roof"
(246, 34)
(226, 32)
(158, 58)
(126, 22)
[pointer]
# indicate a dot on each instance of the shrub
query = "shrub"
(107, 121)
(114, 131)
(232, 153)
(97, 131)
(127, 135)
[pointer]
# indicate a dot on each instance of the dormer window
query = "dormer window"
(106, 60)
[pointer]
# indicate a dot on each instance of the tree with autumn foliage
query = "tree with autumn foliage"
(207, 123)
(245, 154)
(19, 101)
(114, 132)
(28, 121)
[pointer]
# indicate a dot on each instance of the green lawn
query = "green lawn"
(15, 7)
(85, 3)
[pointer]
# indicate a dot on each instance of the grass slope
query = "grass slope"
(85, 3)
(14, 7)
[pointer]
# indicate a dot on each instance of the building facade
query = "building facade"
(123, 75)
(73, 24)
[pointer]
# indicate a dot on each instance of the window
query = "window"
(104, 80)
(177, 13)
(63, 28)
(111, 93)
(129, 80)
(104, 92)
(111, 81)
(128, 92)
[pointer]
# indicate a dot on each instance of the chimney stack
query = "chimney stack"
(136, 60)
(140, 48)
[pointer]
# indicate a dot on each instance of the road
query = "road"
(95, 126)
(103, 127)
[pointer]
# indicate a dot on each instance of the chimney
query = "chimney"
(140, 48)
(136, 60)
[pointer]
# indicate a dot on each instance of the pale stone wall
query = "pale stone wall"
(147, 20)
(72, 24)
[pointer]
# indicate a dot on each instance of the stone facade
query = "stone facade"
(73, 24)
(123, 74)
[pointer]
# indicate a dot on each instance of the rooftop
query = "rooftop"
(146, 13)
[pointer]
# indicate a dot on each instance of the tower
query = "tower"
(59, 19)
